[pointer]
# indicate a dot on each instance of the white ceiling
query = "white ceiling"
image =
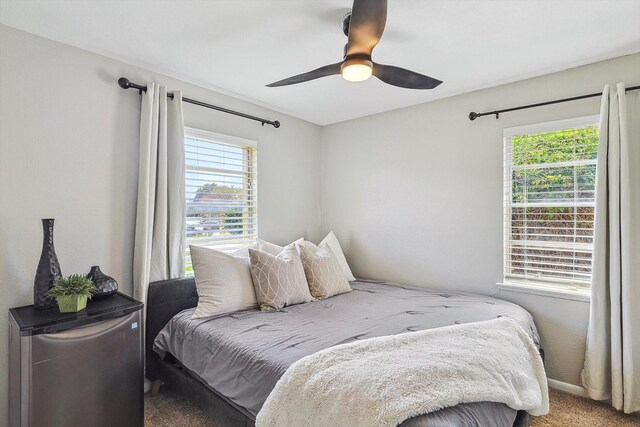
(236, 47)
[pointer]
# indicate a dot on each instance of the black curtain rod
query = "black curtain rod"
(473, 115)
(126, 84)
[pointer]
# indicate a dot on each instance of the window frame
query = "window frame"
(554, 287)
(250, 179)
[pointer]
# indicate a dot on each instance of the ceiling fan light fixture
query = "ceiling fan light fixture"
(356, 70)
(363, 27)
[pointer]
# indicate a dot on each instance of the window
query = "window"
(221, 191)
(549, 191)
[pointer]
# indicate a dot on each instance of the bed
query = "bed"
(228, 364)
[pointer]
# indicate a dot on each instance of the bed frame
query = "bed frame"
(166, 299)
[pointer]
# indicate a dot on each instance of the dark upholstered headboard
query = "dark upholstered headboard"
(165, 299)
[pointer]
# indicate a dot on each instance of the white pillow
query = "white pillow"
(272, 248)
(243, 252)
(223, 281)
(333, 243)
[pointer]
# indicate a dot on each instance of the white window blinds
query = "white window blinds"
(549, 191)
(221, 191)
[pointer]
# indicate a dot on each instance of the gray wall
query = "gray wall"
(415, 195)
(68, 150)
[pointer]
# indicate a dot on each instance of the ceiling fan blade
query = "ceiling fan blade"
(400, 77)
(368, 18)
(325, 71)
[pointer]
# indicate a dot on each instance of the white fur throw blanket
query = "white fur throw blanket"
(386, 380)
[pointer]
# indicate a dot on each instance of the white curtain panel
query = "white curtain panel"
(612, 360)
(159, 248)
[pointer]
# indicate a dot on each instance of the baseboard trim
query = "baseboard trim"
(567, 388)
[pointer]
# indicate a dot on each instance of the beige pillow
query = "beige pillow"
(278, 280)
(323, 272)
(307, 244)
(333, 243)
(223, 281)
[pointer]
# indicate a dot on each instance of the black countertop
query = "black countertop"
(34, 322)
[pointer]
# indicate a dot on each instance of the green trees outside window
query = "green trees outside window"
(550, 201)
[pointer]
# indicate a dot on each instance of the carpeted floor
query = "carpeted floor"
(169, 410)
(570, 410)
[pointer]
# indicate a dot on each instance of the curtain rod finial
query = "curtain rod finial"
(473, 116)
(276, 124)
(124, 83)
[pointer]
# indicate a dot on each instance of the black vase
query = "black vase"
(48, 269)
(106, 285)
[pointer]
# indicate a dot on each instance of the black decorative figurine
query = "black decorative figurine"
(48, 269)
(106, 285)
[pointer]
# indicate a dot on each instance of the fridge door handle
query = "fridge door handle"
(95, 330)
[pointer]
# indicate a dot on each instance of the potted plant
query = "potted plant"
(72, 292)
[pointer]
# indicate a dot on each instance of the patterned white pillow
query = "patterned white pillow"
(323, 272)
(279, 280)
(223, 281)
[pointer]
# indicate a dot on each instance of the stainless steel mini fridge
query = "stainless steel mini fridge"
(77, 369)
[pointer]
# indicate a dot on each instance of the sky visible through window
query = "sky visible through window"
(211, 155)
(220, 181)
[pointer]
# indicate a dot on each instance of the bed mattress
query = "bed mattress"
(242, 355)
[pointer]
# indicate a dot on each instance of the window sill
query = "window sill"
(583, 295)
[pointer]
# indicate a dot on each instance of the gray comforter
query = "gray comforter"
(242, 355)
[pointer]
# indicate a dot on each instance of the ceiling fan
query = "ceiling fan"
(364, 26)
